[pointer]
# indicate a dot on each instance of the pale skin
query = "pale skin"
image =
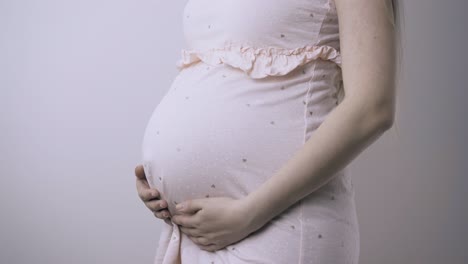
(367, 44)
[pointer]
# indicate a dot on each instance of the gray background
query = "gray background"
(80, 79)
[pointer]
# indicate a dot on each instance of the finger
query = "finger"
(156, 204)
(147, 194)
(145, 191)
(142, 183)
(184, 220)
(201, 241)
(210, 247)
(140, 172)
(191, 206)
(190, 231)
(168, 221)
(163, 214)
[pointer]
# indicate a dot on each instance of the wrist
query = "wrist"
(251, 213)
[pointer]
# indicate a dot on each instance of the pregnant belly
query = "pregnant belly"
(218, 133)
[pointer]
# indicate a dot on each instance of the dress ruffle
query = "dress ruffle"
(259, 62)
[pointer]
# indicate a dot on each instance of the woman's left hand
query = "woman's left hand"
(214, 223)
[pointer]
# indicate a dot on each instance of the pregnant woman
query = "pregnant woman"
(274, 98)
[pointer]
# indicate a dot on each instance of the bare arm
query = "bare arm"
(368, 67)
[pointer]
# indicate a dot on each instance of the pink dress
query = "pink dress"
(258, 78)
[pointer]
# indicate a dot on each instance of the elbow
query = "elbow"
(374, 117)
(382, 117)
(385, 123)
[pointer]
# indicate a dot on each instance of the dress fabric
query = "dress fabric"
(258, 77)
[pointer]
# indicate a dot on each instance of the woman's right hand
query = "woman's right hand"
(151, 197)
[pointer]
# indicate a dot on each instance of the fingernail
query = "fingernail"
(179, 206)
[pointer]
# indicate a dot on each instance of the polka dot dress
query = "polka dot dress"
(257, 79)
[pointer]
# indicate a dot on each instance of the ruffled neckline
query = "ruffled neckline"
(260, 62)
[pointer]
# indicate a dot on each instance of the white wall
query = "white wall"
(79, 80)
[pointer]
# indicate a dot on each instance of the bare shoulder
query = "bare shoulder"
(367, 45)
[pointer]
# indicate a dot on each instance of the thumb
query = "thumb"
(140, 172)
(189, 206)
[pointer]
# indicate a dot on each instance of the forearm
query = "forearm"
(345, 132)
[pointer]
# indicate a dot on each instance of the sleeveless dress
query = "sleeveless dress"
(258, 77)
